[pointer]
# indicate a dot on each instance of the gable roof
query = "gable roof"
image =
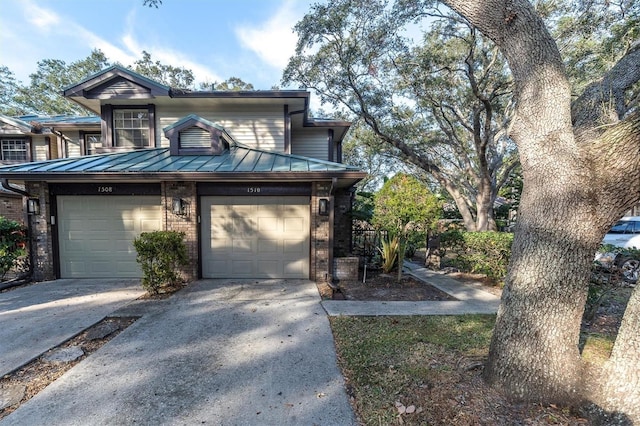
(236, 164)
(17, 123)
(118, 73)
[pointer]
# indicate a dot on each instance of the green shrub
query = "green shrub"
(160, 255)
(12, 244)
(451, 241)
(480, 252)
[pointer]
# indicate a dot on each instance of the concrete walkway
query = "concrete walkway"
(471, 299)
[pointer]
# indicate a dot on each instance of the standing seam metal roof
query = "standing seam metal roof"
(157, 160)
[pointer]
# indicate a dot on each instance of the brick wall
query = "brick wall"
(187, 223)
(11, 207)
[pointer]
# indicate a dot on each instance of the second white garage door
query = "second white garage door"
(255, 237)
(95, 234)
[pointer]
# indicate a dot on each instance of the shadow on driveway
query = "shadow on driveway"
(220, 352)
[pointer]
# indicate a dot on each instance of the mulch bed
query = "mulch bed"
(380, 286)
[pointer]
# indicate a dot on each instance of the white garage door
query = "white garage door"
(255, 237)
(96, 234)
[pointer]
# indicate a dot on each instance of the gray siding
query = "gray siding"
(310, 143)
(72, 142)
(40, 148)
(261, 128)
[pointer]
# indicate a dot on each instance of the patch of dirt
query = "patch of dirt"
(41, 372)
(380, 286)
(385, 287)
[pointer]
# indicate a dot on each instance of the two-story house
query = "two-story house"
(256, 185)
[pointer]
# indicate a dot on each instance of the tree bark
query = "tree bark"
(620, 391)
(563, 212)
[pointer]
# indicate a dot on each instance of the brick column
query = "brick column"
(40, 233)
(187, 223)
(342, 223)
(321, 249)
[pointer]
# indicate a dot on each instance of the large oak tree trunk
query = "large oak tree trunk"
(577, 181)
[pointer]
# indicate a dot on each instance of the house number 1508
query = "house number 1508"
(105, 189)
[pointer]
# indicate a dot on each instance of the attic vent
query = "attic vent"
(195, 137)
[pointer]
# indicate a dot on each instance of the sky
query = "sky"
(216, 39)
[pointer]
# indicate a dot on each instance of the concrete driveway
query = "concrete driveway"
(40, 316)
(219, 352)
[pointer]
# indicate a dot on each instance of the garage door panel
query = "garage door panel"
(293, 246)
(257, 237)
(242, 268)
(241, 247)
(267, 224)
(294, 224)
(292, 269)
(268, 268)
(244, 226)
(267, 246)
(96, 234)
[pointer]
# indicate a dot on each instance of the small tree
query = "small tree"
(160, 255)
(402, 206)
(12, 239)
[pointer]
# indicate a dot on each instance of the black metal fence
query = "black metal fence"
(365, 242)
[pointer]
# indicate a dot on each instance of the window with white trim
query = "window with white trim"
(131, 128)
(14, 149)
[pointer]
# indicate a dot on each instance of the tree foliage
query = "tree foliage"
(404, 206)
(43, 93)
(8, 90)
(177, 77)
(440, 104)
(233, 84)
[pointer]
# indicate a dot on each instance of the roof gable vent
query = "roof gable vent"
(193, 135)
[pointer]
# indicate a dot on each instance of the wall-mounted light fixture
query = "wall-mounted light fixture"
(179, 207)
(33, 206)
(323, 206)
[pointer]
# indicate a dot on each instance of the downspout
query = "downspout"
(27, 277)
(4, 182)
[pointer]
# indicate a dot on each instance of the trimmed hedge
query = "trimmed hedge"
(479, 252)
(160, 255)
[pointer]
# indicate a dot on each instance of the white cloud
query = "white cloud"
(274, 41)
(168, 56)
(41, 18)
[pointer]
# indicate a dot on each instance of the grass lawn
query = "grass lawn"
(425, 370)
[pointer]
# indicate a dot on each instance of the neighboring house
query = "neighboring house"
(34, 138)
(256, 185)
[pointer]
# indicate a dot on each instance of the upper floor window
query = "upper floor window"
(14, 150)
(92, 142)
(131, 128)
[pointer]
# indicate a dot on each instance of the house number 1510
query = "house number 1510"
(253, 190)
